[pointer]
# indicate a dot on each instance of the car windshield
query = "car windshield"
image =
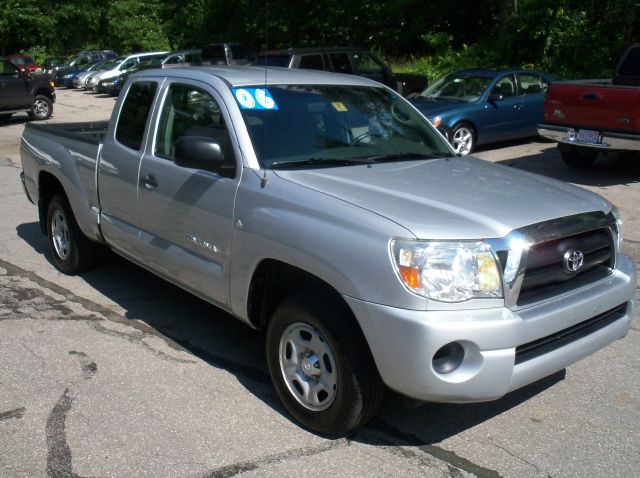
(97, 66)
(334, 125)
(110, 65)
(24, 61)
(457, 87)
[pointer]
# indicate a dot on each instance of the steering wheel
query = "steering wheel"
(361, 137)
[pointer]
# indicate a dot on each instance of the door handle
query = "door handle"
(590, 96)
(149, 182)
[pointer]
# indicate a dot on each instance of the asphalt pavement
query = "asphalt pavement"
(118, 373)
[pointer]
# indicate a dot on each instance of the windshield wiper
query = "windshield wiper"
(383, 158)
(313, 162)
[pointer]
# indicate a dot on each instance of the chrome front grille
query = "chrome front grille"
(545, 272)
(535, 261)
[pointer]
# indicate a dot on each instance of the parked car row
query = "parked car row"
(469, 107)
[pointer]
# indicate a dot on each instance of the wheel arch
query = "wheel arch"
(48, 187)
(44, 92)
(274, 280)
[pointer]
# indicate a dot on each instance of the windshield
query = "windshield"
(457, 87)
(110, 65)
(23, 61)
(293, 125)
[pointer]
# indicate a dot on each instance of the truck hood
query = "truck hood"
(457, 198)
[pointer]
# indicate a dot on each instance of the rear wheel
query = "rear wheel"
(72, 251)
(41, 109)
(577, 157)
(321, 365)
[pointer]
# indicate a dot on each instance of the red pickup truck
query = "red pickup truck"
(589, 116)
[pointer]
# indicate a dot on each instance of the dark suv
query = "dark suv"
(80, 61)
(19, 91)
(353, 61)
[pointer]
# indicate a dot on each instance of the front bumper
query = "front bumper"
(607, 140)
(404, 342)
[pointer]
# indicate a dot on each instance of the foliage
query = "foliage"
(567, 38)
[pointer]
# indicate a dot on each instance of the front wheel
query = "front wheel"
(5, 117)
(41, 109)
(321, 365)
(463, 138)
(72, 251)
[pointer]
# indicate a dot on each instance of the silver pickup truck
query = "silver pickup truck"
(326, 210)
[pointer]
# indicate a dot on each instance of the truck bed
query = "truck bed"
(68, 150)
(594, 104)
(88, 132)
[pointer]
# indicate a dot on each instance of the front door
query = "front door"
(188, 213)
(502, 116)
(14, 89)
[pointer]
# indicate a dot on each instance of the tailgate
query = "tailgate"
(594, 105)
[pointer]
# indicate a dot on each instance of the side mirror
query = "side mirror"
(199, 152)
(493, 97)
(24, 73)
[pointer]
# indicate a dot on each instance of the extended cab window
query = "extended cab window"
(135, 114)
(191, 111)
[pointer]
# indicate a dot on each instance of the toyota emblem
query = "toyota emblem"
(572, 261)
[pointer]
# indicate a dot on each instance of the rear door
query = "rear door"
(531, 88)
(119, 165)
(188, 213)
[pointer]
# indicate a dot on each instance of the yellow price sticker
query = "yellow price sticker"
(339, 106)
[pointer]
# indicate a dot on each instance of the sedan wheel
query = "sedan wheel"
(463, 139)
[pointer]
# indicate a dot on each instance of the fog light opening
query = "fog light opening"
(448, 358)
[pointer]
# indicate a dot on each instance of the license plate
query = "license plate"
(588, 136)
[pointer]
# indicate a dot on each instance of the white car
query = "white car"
(121, 66)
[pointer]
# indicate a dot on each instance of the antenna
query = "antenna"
(263, 181)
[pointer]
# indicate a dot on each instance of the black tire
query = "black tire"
(72, 252)
(358, 387)
(463, 138)
(41, 109)
(5, 117)
(576, 157)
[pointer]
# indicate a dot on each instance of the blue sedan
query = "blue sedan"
(472, 107)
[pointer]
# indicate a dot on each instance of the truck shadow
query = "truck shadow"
(610, 169)
(190, 324)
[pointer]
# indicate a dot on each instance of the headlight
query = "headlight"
(436, 121)
(447, 271)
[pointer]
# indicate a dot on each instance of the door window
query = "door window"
(135, 114)
(191, 111)
(532, 84)
(341, 63)
(505, 87)
(312, 62)
(7, 69)
(365, 64)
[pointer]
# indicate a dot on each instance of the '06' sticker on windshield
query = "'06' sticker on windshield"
(254, 99)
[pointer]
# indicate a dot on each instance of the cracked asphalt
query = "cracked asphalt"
(117, 373)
